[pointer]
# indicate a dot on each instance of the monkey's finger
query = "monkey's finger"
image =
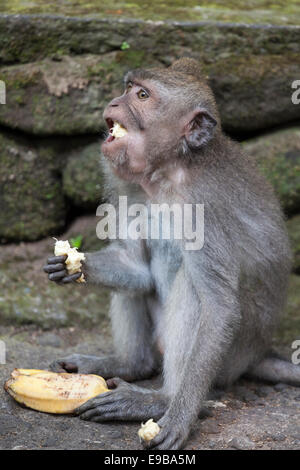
(71, 278)
(170, 443)
(157, 440)
(70, 367)
(52, 268)
(58, 275)
(57, 259)
(65, 366)
(106, 417)
(99, 417)
(89, 414)
(57, 366)
(103, 399)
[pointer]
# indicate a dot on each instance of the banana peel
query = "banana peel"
(53, 392)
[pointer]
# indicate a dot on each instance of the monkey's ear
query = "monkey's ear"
(199, 128)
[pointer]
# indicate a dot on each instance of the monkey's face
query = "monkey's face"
(126, 119)
(149, 124)
(142, 128)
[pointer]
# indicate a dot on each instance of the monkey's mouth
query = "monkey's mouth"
(116, 130)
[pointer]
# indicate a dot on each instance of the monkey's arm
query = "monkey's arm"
(118, 267)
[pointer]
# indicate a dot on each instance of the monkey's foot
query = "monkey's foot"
(125, 402)
(172, 435)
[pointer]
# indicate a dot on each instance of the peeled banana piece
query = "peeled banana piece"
(53, 392)
(73, 261)
(118, 130)
(149, 430)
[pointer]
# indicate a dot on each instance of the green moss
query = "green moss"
(278, 158)
(19, 98)
(284, 177)
(259, 11)
(24, 303)
(30, 192)
(133, 58)
(82, 177)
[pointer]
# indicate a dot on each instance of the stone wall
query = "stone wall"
(60, 72)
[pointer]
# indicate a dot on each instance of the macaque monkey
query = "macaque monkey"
(203, 317)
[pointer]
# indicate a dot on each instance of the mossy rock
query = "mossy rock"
(31, 199)
(278, 157)
(256, 11)
(72, 90)
(75, 90)
(70, 68)
(82, 177)
(26, 38)
(24, 303)
(294, 232)
(254, 91)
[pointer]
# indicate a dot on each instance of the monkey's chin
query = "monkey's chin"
(113, 146)
(125, 173)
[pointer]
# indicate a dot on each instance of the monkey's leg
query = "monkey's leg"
(275, 370)
(195, 345)
(126, 402)
(136, 357)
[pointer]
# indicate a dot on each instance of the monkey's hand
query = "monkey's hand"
(57, 271)
(123, 402)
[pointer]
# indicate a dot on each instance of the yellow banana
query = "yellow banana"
(53, 392)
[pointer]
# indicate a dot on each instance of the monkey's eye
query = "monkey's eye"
(142, 95)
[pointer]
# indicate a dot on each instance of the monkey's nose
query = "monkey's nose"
(114, 103)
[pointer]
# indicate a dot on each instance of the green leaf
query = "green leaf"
(125, 46)
(76, 241)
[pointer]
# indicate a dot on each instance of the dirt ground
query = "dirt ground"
(255, 416)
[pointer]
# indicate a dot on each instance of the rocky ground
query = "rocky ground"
(254, 416)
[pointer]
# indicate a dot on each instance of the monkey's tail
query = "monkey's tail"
(276, 369)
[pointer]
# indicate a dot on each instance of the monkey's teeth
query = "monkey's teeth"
(118, 131)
